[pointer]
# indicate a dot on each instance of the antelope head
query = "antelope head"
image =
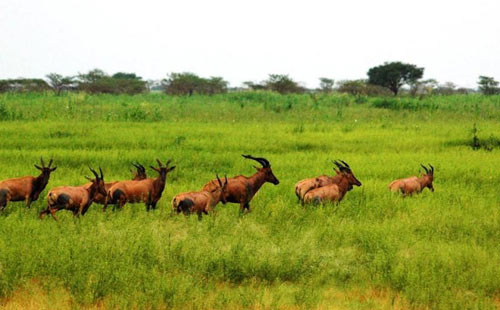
(265, 169)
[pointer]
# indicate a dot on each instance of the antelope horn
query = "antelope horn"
(42, 162)
(218, 180)
(50, 163)
(341, 168)
(142, 167)
(102, 176)
(159, 163)
(168, 162)
(261, 160)
(425, 168)
(432, 168)
(347, 165)
(93, 171)
(225, 179)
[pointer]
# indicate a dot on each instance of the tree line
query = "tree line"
(390, 78)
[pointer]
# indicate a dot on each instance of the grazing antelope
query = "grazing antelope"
(200, 202)
(334, 192)
(414, 184)
(304, 186)
(241, 189)
(74, 198)
(148, 190)
(27, 188)
(139, 174)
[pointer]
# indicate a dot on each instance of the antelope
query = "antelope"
(414, 184)
(334, 192)
(148, 190)
(139, 174)
(27, 188)
(241, 189)
(200, 202)
(304, 186)
(74, 198)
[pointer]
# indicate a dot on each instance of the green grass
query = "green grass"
(436, 250)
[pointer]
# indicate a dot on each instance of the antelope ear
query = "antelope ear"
(155, 169)
(89, 179)
(171, 168)
(53, 169)
(38, 167)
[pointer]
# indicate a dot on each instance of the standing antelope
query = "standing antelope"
(304, 186)
(74, 198)
(27, 188)
(200, 202)
(334, 192)
(148, 190)
(414, 184)
(241, 189)
(139, 174)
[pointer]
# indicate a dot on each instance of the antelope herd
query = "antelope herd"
(238, 189)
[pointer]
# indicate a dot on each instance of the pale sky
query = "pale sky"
(454, 40)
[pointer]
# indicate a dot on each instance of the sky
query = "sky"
(453, 40)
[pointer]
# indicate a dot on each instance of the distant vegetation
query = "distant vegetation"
(390, 78)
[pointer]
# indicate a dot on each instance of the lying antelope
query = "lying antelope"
(414, 184)
(74, 198)
(241, 189)
(139, 174)
(148, 190)
(27, 188)
(200, 202)
(304, 186)
(334, 192)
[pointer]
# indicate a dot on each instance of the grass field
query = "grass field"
(375, 250)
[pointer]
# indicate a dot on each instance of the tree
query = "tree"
(326, 85)
(126, 76)
(488, 85)
(352, 87)
(393, 75)
(423, 87)
(216, 85)
(282, 84)
(254, 86)
(97, 81)
(58, 83)
(189, 83)
(448, 88)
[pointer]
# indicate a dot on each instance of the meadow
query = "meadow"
(375, 250)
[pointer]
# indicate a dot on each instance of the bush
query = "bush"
(98, 82)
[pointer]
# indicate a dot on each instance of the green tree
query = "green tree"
(393, 75)
(326, 84)
(187, 83)
(58, 83)
(282, 84)
(254, 86)
(488, 85)
(97, 81)
(126, 76)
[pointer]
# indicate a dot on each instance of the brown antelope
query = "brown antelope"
(241, 189)
(139, 174)
(148, 190)
(74, 198)
(304, 186)
(333, 192)
(414, 184)
(27, 188)
(200, 202)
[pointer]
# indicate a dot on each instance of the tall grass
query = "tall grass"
(436, 250)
